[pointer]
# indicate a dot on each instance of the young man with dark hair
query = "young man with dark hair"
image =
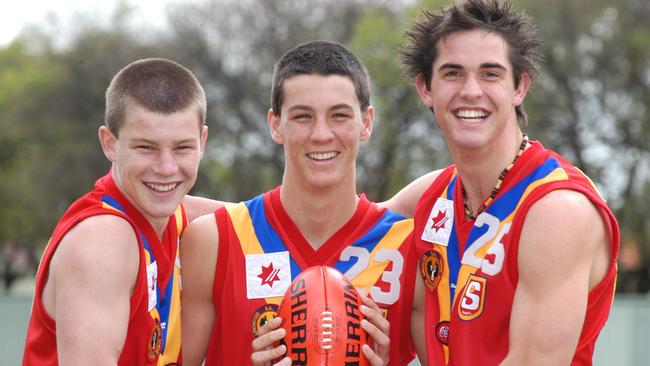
(517, 248)
(239, 261)
(108, 287)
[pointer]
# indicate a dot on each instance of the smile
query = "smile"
(162, 187)
(471, 115)
(323, 156)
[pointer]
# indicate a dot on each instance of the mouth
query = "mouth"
(471, 116)
(162, 188)
(323, 156)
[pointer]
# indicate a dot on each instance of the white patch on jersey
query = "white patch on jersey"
(267, 275)
(152, 278)
(438, 227)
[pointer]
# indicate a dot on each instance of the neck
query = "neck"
(159, 226)
(480, 169)
(318, 213)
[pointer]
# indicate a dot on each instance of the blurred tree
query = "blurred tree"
(590, 102)
(52, 103)
(233, 46)
(592, 99)
(406, 142)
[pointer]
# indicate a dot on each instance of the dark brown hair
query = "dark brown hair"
(515, 26)
(158, 84)
(322, 58)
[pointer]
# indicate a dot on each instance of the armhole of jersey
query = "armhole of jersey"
(184, 221)
(425, 198)
(222, 221)
(409, 292)
(606, 215)
(41, 278)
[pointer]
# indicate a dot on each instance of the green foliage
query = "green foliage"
(590, 101)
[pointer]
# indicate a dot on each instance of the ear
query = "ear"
(367, 122)
(203, 139)
(424, 91)
(521, 90)
(273, 120)
(108, 141)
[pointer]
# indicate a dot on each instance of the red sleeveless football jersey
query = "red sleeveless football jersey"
(261, 251)
(470, 267)
(153, 334)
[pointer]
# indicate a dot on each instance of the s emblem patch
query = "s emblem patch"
(263, 315)
(471, 304)
(431, 268)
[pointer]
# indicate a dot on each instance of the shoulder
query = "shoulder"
(200, 236)
(109, 234)
(198, 206)
(561, 230)
(100, 249)
(198, 253)
(563, 208)
(405, 200)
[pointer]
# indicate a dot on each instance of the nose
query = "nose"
(471, 88)
(321, 130)
(165, 163)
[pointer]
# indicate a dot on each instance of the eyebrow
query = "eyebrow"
(302, 107)
(493, 65)
(341, 106)
(486, 65)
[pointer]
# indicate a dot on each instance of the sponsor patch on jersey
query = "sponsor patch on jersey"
(155, 341)
(267, 274)
(442, 332)
(262, 316)
(441, 219)
(431, 268)
(152, 278)
(471, 304)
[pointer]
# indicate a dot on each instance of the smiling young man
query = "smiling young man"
(239, 261)
(517, 248)
(108, 286)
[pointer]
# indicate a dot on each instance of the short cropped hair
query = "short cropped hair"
(322, 58)
(515, 26)
(157, 84)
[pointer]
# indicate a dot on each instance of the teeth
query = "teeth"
(471, 113)
(161, 187)
(322, 156)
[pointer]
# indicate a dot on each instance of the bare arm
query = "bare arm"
(403, 202)
(199, 206)
(91, 279)
(563, 253)
(198, 260)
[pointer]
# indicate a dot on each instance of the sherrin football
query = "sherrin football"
(322, 319)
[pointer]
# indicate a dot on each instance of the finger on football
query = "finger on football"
(265, 357)
(378, 337)
(370, 302)
(371, 356)
(269, 326)
(374, 316)
(267, 340)
(283, 362)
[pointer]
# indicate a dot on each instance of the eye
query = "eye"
(144, 147)
(301, 117)
(453, 74)
(491, 74)
(339, 116)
